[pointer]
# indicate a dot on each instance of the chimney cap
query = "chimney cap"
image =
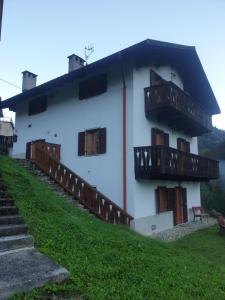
(75, 56)
(29, 73)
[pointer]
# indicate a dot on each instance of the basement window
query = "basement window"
(92, 142)
(37, 106)
(93, 86)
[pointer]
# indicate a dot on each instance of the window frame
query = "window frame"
(155, 132)
(180, 142)
(100, 142)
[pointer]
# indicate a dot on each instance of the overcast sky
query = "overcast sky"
(39, 35)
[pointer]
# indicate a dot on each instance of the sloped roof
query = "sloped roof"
(183, 58)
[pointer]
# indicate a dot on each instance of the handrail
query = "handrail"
(91, 198)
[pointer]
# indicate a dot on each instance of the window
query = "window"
(37, 106)
(155, 79)
(93, 86)
(159, 137)
(183, 145)
(92, 142)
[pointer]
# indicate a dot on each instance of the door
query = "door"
(180, 206)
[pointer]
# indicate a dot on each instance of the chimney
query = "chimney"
(29, 80)
(75, 62)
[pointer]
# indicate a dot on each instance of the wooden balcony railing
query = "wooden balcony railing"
(91, 198)
(161, 162)
(169, 103)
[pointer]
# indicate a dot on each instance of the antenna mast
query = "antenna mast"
(88, 51)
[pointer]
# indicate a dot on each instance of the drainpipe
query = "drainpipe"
(124, 137)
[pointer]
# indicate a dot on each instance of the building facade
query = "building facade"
(127, 124)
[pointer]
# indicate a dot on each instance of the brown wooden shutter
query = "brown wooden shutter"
(157, 196)
(184, 198)
(154, 132)
(166, 139)
(81, 143)
(179, 141)
(102, 140)
(188, 147)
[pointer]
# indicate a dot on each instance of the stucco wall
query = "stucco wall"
(144, 190)
(66, 116)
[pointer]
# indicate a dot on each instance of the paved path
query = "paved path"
(24, 269)
(181, 230)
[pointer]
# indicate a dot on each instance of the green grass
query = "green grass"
(111, 262)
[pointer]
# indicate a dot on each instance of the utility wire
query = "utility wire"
(18, 87)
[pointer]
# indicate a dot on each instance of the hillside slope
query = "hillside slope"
(213, 144)
(110, 261)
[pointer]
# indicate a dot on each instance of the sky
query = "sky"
(39, 35)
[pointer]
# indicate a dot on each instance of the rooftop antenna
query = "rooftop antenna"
(88, 51)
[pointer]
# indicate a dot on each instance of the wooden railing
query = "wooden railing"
(52, 149)
(170, 95)
(91, 198)
(167, 163)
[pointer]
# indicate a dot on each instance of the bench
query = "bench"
(198, 212)
(221, 224)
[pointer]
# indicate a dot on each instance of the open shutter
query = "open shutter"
(154, 132)
(166, 139)
(81, 143)
(157, 196)
(188, 147)
(102, 140)
(179, 141)
(184, 198)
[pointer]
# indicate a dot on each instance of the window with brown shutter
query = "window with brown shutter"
(93, 86)
(92, 142)
(183, 145)
(37, 106)
(159, 138)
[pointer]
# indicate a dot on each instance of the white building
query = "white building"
(128, 124)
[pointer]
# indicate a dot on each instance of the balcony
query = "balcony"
(168, 103)
(161, 162)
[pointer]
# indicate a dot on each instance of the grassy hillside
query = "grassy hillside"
(111, 262)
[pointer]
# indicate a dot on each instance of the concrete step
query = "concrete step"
(6, 202)
(8, 210)
(14, 219)
(8, 243)
(25, 269)
(13, 229)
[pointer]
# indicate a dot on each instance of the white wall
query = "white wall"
(144, 190)
(66, 116)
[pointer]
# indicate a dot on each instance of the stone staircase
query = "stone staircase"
(22, 267)
(13, 231)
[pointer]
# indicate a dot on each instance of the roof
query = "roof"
(184, 58)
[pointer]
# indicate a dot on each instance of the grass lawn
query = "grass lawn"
(110, 262)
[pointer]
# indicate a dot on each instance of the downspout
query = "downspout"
(124, 136)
